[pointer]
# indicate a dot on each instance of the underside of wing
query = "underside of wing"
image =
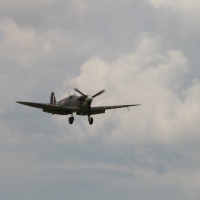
(51, 108)
(102, 109)
(94, 111)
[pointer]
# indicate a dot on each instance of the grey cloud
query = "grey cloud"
(46, 14)
(140, 54)
(65, 177)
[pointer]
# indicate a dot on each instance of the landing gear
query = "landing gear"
(90, 120)
(71, 119)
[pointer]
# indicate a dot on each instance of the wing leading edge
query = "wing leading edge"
(112, 107)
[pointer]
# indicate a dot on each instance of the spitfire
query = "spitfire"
(81, 105)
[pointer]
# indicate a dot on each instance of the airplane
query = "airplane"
(81, 105)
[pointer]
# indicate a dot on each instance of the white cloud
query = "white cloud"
(148, 77)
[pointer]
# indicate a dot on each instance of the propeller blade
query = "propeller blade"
(102, 91)
(80, 92)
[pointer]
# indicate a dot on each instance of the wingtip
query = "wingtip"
(20, 102)
(136, 105)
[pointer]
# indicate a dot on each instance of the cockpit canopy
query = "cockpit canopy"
(71, 96)
(61, 102)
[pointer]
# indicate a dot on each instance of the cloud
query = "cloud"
(139, 54)
(177, 5)
(42, 15)
(21, 46)
(183, 16)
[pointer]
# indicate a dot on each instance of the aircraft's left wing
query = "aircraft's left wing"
(114, 107)
(102, 109)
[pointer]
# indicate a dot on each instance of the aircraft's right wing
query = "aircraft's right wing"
(51, 108)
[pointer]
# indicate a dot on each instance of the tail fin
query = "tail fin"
(52, 98)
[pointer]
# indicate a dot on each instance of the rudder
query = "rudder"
(52, 98)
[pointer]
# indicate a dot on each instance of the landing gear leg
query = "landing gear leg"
(71, 119)
(90, 119)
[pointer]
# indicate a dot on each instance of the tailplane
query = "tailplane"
(52, 98)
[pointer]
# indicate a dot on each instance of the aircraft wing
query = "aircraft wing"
(32, 104)
(65, 110)
(51, 108)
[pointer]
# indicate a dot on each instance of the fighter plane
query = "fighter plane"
(81, 105)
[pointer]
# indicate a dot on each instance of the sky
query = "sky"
(142, 52)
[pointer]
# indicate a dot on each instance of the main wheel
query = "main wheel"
(91, 121)
(71, 120)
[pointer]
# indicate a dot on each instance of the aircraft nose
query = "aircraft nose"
(89, 99)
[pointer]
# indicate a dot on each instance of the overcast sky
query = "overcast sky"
(140, 51)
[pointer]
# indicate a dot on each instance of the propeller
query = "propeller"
(89, 99)
(86, 96)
